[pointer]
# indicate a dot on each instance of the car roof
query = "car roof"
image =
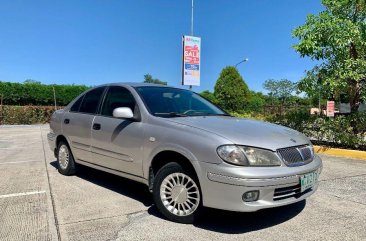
(135, 84)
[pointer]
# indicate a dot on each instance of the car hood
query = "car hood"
(246, 132)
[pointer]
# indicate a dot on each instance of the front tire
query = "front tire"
(177, 194)
(65, 160)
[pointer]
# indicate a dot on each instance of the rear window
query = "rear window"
(91, 101)
(76, 106)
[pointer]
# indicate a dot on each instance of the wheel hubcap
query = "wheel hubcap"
(179, 194)
(63, 156)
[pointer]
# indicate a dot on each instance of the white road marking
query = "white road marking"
(16, 162)
(21, 194)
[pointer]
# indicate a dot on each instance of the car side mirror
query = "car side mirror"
(123, 112)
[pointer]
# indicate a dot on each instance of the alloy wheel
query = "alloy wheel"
(63, 156)
(179, 194)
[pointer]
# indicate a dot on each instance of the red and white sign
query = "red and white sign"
(191, 60)
(330, 108)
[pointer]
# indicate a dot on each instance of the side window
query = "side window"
(91, 101)
(76, 106)
(117, 97)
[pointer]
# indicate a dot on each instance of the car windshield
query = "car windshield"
(172, 102)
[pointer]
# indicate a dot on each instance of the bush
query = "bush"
(297, 120)
(26, 115)
(231, 92)
(248, 115)
(341, 131)
(255, 104)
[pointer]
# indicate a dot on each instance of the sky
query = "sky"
(94, 42)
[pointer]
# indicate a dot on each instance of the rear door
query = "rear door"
(78, 121)
(117, 143)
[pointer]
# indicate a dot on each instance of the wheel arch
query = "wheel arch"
(166, 156)
(61, 138)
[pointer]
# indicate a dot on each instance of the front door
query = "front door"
(117, 143)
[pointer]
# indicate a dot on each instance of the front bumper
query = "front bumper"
(223, 185)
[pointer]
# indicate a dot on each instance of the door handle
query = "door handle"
(67, 121)
(96, 126)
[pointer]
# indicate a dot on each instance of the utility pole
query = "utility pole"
(54, 97)
(192, 11)
(1, 109)
(192, 18)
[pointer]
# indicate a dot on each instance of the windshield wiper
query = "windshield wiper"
(201, 113)
(218, 114)
(170, 114)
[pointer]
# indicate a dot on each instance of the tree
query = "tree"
(336, 38)
(231, 92)
(209, 96)
(32, 81)
(281, 89)
(256, 102)
(149, 79)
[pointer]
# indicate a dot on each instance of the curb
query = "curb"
(340, 152)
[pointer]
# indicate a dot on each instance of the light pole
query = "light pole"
(244, 60)
(192, 10)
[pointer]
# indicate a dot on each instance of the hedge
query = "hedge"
(38, 94)
(25, 115)
(345, 131)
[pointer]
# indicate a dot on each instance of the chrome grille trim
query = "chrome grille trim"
(296, 156)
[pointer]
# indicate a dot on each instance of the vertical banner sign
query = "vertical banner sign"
(330, 108)
(191, 60)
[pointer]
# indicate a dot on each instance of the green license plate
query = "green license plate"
(308, 180)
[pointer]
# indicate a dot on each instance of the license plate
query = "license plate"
(308, 180)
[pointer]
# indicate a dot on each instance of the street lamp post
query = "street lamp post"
(244, 60)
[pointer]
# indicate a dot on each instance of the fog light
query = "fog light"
(251, 196)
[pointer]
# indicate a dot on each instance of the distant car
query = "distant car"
(188, 151)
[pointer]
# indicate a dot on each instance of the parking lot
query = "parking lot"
(37, 203)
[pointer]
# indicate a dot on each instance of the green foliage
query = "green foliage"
(249, 115)
(256, 102)
(294, 119)
(280, 89)
(231, 92)
(209, 96)
(34, 93)
(26, 115)
(344, 131)
(149, 79)
(336, 38)
(31, 81)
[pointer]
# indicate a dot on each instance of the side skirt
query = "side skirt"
(115, 172)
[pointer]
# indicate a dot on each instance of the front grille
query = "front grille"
(289, 192)
(296, 156)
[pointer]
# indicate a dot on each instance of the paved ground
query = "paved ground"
(37, 203)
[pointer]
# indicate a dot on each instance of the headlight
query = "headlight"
(248, 156)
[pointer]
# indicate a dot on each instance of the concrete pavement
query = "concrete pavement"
(37, 203)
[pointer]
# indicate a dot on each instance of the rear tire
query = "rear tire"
(65, 160)
(177, 194)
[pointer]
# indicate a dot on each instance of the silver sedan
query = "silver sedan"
(188, 151)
